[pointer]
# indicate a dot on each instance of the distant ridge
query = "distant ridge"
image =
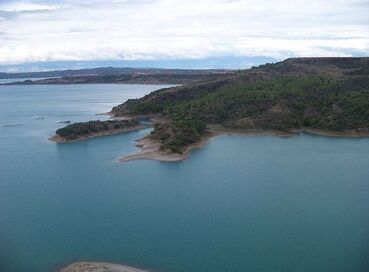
(104, 71)
(215, 62)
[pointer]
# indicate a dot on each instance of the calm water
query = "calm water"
(242, 203)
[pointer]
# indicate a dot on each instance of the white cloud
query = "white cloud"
(127, 29)
(23, 6)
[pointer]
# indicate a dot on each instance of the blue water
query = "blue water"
(242, 203)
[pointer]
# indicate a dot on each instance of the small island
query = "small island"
(90, 129)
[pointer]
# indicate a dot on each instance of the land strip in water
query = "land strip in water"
(86, 130)
(326, 96)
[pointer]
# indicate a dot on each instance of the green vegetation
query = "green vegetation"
(85, 129)
(175, 136)
(321, 93)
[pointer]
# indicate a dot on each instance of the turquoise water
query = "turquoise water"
(242, 203)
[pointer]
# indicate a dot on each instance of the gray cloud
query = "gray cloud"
(142, 29)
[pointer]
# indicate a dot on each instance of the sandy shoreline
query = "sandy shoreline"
(99, 267)
(58, 139)
(150, 150)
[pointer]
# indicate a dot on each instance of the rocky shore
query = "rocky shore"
(150, 149)
(99, 267)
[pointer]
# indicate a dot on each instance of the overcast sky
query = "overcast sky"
(39, 30)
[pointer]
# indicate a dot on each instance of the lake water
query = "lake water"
(242, 203)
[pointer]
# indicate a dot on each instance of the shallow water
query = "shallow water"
(242, 203)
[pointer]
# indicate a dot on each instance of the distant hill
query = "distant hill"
(109, 71)
(118, 76)
(327, 95)
(214, 62)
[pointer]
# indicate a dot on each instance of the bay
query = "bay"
(241, 203)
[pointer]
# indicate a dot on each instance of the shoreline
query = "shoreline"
(150, 149)
(293, 132)
(343, 134)
(21, 83)
(84, 266)
(60, 140)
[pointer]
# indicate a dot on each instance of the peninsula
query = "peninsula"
(327, 96)
(90, 129)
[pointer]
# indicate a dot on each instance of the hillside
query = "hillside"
(321, 94)
(117, 76)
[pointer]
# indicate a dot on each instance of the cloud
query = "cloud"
(23, 6)
(166, 29)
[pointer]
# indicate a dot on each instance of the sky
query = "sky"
(86, 30)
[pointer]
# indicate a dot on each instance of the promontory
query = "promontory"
(321, 95)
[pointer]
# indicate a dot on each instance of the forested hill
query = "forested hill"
(329, 94)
